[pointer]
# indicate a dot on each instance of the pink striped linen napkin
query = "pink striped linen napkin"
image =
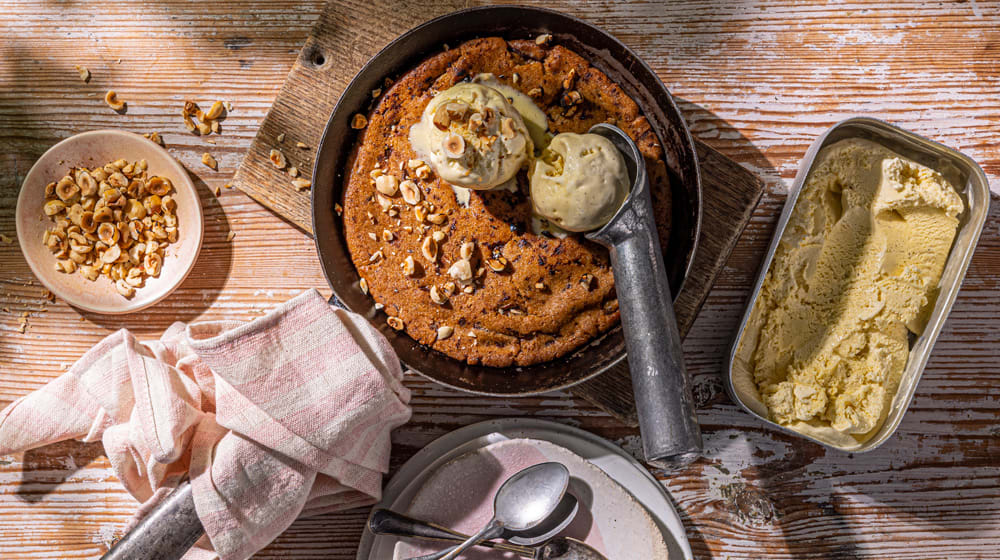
(286, 416)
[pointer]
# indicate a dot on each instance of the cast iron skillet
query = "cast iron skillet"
(510, 22)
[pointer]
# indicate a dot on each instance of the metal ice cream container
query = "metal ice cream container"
(970, 182)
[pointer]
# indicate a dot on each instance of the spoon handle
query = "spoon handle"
(491, 531)
(385, 522)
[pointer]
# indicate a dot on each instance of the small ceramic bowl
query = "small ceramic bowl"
(91, 149)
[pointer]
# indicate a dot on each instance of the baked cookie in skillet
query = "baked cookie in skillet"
(531, 297)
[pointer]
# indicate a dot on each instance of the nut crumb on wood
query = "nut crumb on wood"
(111, 98)
(230, 235)
(281, 137)
(5, 239)
(301, 183)
(301, 145)
(206, 120)
(208, 160)
(84, 72)
(277, 159)
(214, 112)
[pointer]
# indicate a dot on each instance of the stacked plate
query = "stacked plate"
(624, 512)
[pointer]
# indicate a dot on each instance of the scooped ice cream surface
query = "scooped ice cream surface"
(579, 182)
(856, 271)
(472, 136)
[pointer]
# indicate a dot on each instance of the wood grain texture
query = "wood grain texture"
(757, 81)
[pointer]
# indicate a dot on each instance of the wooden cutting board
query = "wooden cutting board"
(346, 35)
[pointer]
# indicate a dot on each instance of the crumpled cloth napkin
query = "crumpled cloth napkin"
(284, 416)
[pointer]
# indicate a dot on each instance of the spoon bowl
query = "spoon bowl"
(528, 498)
(560, 518)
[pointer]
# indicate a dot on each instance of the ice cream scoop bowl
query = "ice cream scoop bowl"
(667, 420)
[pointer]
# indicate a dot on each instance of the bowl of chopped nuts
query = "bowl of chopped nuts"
(109, 221)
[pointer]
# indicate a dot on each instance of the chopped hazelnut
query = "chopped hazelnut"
(445, 332)
(111, 98)
(208, 160)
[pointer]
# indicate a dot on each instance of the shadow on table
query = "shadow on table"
(45, 468)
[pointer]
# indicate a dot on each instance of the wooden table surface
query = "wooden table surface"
(756, 80)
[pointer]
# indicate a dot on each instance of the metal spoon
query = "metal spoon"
(385, 522)
(558, 520)
(667, 420)
(526, 500)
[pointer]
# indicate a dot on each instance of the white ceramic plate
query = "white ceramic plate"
(618, 465)
(91, 149)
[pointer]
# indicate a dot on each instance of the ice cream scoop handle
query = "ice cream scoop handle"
(667, 419)
(166, 533)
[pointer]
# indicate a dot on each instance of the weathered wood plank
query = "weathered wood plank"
(758, 81)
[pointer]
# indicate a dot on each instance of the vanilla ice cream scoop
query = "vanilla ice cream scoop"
(472, 136)
(579, 182)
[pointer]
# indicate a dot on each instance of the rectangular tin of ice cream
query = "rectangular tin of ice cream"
(971, 183)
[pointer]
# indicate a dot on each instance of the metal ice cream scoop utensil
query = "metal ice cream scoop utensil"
(166, 533)
(524, 501)
(667, 420)
(385, 522)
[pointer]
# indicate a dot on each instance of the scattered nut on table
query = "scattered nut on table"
(111, 98)
(277, 159)
(206, 122)
(114, 220)
(84, 72)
